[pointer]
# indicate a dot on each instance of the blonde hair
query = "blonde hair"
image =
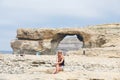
(60, 52)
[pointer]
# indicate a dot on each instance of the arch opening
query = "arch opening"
(67, 42)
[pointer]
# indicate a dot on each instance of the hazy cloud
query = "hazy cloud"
(54, 13)
(76, 8)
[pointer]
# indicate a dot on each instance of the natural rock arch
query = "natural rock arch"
(46, 40)
(49, 38)
(60, 36)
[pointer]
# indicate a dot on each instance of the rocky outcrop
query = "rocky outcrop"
(111, 52)
(45, 41)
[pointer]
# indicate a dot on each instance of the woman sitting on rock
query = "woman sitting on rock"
(60, 62)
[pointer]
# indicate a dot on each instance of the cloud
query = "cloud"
(76, 8)
(54, 13)
(28, 12)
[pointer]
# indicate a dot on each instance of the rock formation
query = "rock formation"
(45, 41)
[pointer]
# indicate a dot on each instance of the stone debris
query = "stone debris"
(83, 67)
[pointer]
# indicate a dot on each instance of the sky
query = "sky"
(16, 14)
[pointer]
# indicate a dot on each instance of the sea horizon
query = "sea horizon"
(5, 52)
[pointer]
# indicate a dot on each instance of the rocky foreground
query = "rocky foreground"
(77, 67)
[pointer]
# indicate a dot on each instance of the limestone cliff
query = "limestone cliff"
(30, 41)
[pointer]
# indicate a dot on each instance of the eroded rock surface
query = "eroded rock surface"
(77, 67)
(46, 41)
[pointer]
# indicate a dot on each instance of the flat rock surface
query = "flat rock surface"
(77, 67)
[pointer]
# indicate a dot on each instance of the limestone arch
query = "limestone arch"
(60, 36)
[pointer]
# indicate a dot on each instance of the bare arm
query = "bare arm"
(61, 60)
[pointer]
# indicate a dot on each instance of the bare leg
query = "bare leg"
(57, 69)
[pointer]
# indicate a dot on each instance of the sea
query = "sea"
(6, 52)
